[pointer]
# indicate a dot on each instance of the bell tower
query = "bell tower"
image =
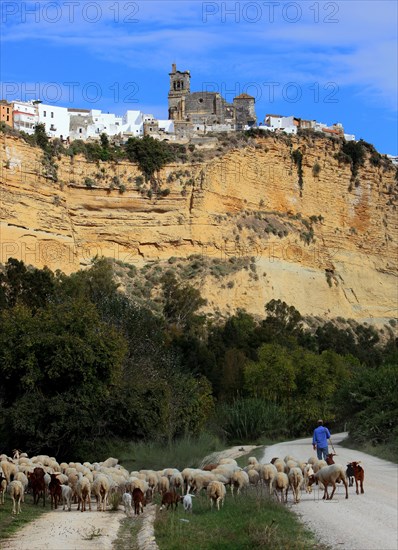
(180, 87)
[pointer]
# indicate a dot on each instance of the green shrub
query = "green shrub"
(250, 419)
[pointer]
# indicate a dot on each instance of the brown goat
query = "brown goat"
(329, 459)
(38, 485)
(139, 501)
(359, 475)
(169, 498)
(55, 491)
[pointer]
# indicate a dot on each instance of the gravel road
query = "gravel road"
(363, 522)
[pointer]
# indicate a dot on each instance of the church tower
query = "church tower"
(180, 87)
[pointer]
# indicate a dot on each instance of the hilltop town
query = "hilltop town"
(190, 114)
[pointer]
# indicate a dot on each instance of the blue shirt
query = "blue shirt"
(320, 437)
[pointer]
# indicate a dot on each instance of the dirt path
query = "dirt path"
(62, 530)
(363, 522)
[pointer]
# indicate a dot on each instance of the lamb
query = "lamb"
(187, 503)
(66, 495)
(281, 483)
(240, 479)
(308, 472)
(127, 499)
(359, 475)
(15, 489)
(216, 492)
(169, 499)
(296, 479)
(268, 472)
(329, 475)
(252, 461)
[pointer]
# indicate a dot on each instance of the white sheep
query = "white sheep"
(164, 484)
(109, 462)
(281, 483)
(177, 482)
(296, 479)
(9, 469)
(83, 491)
(15, 490)
(268, 472)
(201, 480)
(279, 464)
(240, 479)
(330, 475)
(20, 476)
(216, 492)
(66, 497)
(254, 477)
(100, 488)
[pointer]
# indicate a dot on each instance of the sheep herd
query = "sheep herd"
(74, 482)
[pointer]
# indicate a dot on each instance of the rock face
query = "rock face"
(325, 245)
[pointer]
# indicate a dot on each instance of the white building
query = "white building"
(55, 120)
(25, 115)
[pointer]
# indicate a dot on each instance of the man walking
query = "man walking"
(319, 440)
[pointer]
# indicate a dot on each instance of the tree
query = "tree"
(56, 368)
(272, 376)
(27, 285)
(150, 154)
(181, 303)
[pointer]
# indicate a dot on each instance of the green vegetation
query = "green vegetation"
(127, 534)
(82, 363)
(245, 522)
(183, 452)
(297, 157)
(9, 523)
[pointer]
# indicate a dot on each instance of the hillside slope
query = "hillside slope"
(320, 238)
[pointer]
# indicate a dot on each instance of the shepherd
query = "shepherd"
(319, 441)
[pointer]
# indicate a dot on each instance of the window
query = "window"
(80, 130)
(8, 118)
(44, 113)
(52, 115)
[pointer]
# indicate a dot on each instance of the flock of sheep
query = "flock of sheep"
(65, 482)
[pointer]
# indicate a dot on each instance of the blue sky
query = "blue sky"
(330, 61)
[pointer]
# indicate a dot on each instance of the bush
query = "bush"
(250, 419)
(316, 169)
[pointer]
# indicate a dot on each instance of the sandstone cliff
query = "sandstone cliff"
(321, 243)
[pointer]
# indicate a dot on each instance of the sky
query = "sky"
(333, 61)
